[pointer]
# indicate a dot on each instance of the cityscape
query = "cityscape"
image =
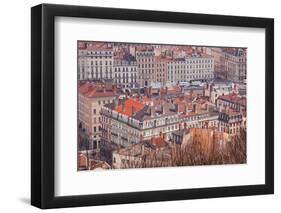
(160, 105)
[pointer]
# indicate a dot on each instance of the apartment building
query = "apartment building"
(126, 73)
(92, 96)
(145, 61)
(95, 61)
(190, 68)
(132, 121)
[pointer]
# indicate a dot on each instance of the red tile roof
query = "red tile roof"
(232, 97)
(92, 46)
(97, 90)
(232, 112)
(129, 106)
(158, 142)
(144, 48)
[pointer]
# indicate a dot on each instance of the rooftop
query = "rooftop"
(95, 46)
(95, 90)
(129, 107)
(232, 97)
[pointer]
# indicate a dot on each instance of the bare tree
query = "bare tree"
(199, 151)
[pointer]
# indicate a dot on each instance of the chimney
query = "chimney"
(206, 106)
(161, 135)
(241, 109)
(123, 105)
(186, 109)
(176, 108)
(146, 91)
(152, 111)
(193, 95)
(150, 91)
(133, 110)
(114, 89)
(227, 109)
(220, 107)
(115, 102)
(162, 109)
(142, 149)
(90, 88)
(194, 108)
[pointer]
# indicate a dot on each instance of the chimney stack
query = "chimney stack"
(123, 105)
(114, 88)
(162, 109)
(227, 109)
(115, 102)
(142, 149)
(133, 110)
(194, 108)
(176, 108)
(186, 109)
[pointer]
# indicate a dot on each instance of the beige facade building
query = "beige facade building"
(145, 61)
(92, 96)
(236, 67)
(230, 63)
(160, 70)
(233, 111)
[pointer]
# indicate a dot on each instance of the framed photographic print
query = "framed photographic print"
(139, 106)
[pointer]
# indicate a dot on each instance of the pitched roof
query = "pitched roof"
(158, 142)
(129, 106)
(91, 90)
(232, 97)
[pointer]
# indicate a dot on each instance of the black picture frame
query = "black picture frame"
(43, 105)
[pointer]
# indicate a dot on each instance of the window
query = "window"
(95, 144)
(94, 111)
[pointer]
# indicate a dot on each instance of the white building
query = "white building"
(132, 122)
(126, 72)
(95, 62)
(190, 68)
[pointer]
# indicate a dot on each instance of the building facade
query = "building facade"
(233, 111)
(160, 70)
(91, 99)
(145, 61)
(235, 67)
(95, 62)
(126, 73)
(190, 68)
(132, 122)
